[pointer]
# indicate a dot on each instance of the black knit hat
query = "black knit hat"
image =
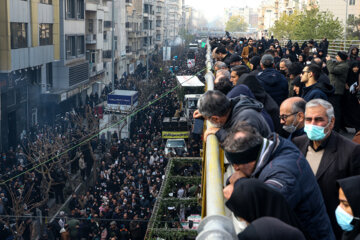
(342, 55)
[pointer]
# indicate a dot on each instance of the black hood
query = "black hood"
(243, 102)
(351, 187)
(252, 199)
(253, 84)
(327, 88)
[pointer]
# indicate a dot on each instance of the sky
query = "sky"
(215, 8)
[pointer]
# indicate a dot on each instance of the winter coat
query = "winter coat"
(274, 83)
(245, 53)
(341, 159)
(284, 168)
(338, 72)
(248, 110)
(317, 90)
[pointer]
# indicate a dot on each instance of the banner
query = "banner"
(168, 134)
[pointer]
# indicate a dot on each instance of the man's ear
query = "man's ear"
(301, 116)
(215, 119)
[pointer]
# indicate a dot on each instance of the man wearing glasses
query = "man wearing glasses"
(314, 89)
(292, 115)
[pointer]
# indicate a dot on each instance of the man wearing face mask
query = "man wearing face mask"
(348, 211)
(279, 164)
(330, 155)
(292, 116)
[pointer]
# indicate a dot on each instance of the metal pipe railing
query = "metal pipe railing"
(215, 225)
(335, 45)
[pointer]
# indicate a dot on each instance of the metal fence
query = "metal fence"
(335, 45)
(214, 225)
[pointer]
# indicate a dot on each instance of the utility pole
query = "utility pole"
(147, 53)
(346, 22)
(113, 46)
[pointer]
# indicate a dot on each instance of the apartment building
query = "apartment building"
(271, 10)
(174, 19)
(338, 8)
(30, 44)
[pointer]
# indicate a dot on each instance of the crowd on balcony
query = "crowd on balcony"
(283, 115)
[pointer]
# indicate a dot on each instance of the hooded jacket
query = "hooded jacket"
(275, 84)
(248, 110)
(356, 56)
(350, 187)
(318, 90)
(242, 89)
(283, 167)
(247, 202)
(271, 107)
(270, 228)
(338, 72)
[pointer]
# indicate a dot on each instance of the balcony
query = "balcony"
(90, 38)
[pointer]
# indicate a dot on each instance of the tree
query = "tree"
(236, 24)
(353, 28)
(308, 24)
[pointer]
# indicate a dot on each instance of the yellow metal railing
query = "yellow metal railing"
(214, 224)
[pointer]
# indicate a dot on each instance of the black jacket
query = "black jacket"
(318, 90)
(248, 110)
(341, 159)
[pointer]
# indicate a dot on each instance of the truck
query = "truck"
(119, 105)
(189, 93)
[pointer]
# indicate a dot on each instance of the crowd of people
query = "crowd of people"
(280, 113)
(129, 171)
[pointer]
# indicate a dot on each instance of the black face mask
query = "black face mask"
(283, 72)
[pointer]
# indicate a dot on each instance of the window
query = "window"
(352, 2)
(91, 26)
(46, 1)
(75, 46)
(107, 24)
(105, 35)
(100, 26)
(46, 34)
(80, 45)
(80, 9)
(75, 9)
(70, 8)
(18, 35)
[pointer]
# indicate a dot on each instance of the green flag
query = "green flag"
(203, 44)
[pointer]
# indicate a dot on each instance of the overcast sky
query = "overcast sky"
(215, 8)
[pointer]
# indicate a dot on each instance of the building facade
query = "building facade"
(30, 44)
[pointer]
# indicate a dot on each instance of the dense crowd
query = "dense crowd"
(130, 171)
(280, 113)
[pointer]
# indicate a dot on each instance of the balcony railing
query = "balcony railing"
(90, 38)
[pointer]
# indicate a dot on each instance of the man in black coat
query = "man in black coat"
(330, 155)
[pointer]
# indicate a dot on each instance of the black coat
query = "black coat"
(350, 187)
(341, 159)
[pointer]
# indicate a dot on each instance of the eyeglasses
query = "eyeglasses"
(304, 72)
(284, 116)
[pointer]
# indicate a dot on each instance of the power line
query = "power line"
(97, 134)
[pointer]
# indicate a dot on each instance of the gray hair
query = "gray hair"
(286, 61)
(251, 137)
(224, 72)
(325, 104)
(220, 65)
(213, 103)
(299, 106)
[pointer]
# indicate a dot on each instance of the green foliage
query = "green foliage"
(353, 28)
(308, 24)
(236, 24)
(160, 224)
